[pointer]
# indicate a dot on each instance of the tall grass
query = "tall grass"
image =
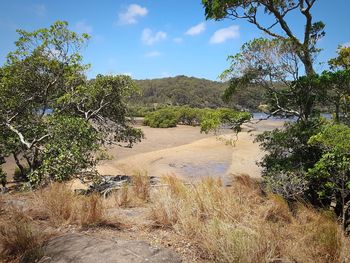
(19, 238)
(136, 194)
(58, 203)
(61, 206)
(241, 224)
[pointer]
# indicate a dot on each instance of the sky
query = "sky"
(158, 38)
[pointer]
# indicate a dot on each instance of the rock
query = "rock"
(79, 248)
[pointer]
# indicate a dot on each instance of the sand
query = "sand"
(185, 152)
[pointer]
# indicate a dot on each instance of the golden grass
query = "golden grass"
(136, 194)
(19, 238)
(61, 206)
(141, 185)
(241, 224)
(58, 203)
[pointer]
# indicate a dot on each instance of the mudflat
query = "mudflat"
(185, 152)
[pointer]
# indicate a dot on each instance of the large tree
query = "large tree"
(51, 116)
(279, 27)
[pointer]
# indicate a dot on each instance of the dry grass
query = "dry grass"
(137, 194)
(20, 239)
(61, 206)
(141, 185)
(58, 203)
(240, 224)
(92, 211)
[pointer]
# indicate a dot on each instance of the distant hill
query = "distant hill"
(195, 92)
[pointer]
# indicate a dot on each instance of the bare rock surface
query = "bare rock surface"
(80, 248)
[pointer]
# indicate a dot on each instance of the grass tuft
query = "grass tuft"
(19, 238)
(241, 224)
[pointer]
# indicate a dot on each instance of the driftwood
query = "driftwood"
(108, 184)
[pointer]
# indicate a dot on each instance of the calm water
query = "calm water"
(262, 115)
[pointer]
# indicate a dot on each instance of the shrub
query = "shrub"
(163, 118)
(208, 119)
(190, 116)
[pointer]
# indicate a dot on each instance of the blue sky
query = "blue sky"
(157, 38)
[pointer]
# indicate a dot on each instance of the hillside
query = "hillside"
(195, 92)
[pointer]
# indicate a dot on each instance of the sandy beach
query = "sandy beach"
(185, 152)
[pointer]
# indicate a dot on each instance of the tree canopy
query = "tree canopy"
(50, 114)
(253, 10)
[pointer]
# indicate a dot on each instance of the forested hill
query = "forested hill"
(195, 92)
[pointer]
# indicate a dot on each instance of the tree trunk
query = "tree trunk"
(346, 217)
(337, 109)
(19, 165)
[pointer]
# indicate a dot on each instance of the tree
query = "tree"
(252, 11)
(44, 91)
(274, 66)
(337, 87)
(342, 61)
(332, 171)
(337, 83)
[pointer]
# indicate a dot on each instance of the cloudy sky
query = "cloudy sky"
(157, 38)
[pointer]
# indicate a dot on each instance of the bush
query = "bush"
(208, 119)
(190, 116)
(163, 118)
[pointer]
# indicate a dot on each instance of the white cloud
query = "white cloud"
(131, 14)
(149, 38)
(196, 30)
(83, 27)
(178, 40)
(40, 9)
(153, 54)
(224, 34)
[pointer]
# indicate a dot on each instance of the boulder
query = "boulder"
(80, 248)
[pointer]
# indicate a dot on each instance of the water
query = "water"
(202, 169)
(262, 115)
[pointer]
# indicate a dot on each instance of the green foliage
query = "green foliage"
(163, 118)
(192, 92)
(337, 92)
(334, 164)
(208, 119)
(342, 61)
(332, 171)
(223, 117)
(50, 114)
(288, 149)
(69, 151)
(254, 12)
(190, 116)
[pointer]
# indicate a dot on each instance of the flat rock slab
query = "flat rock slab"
(79, 248)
